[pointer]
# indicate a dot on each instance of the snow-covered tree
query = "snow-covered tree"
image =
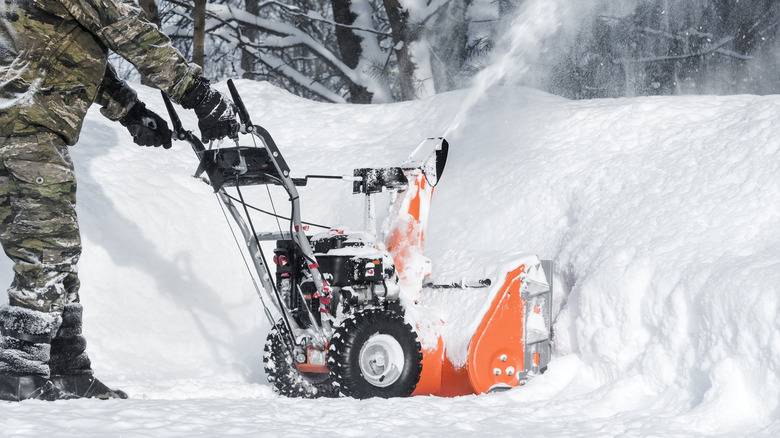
(361, 51)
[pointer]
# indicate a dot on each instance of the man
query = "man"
(52, 68)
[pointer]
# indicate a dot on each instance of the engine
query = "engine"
(359, 271)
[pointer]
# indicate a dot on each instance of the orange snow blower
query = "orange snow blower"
(356, 315)
(508, 336)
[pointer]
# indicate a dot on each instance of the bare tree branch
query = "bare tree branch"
(714, 48)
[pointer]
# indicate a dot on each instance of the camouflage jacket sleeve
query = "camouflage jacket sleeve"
(123, 28)
(114, 96)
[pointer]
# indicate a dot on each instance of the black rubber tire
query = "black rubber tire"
(285, 377)
(348, 341)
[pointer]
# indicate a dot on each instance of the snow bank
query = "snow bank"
(660, 213)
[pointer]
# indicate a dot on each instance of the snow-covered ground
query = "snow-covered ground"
(661, 214)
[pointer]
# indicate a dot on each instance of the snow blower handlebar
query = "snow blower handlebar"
(249, 165)
(296, 229)
(243, 114)
(178, 131)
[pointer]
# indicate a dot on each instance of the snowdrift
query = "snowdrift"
(660, 213)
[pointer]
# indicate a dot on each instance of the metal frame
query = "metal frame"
(316, 336)
(297, 234)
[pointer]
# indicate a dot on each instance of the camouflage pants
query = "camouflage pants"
(38, 226)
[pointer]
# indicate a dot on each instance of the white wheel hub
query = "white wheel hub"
(381, 360)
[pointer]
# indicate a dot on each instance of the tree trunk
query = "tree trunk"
(150, 8)
(450, 37)
(399, 19)
(247, 59)
(349, 47)
(199, 33)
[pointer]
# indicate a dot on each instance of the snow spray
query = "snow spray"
(519, 48)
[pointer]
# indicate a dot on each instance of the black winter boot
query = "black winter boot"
(71, 369)
(18, 388)
(24, 355)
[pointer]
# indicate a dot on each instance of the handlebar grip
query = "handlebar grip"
(243, 114)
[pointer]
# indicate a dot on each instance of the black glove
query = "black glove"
(216, 114)
(146, 127)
